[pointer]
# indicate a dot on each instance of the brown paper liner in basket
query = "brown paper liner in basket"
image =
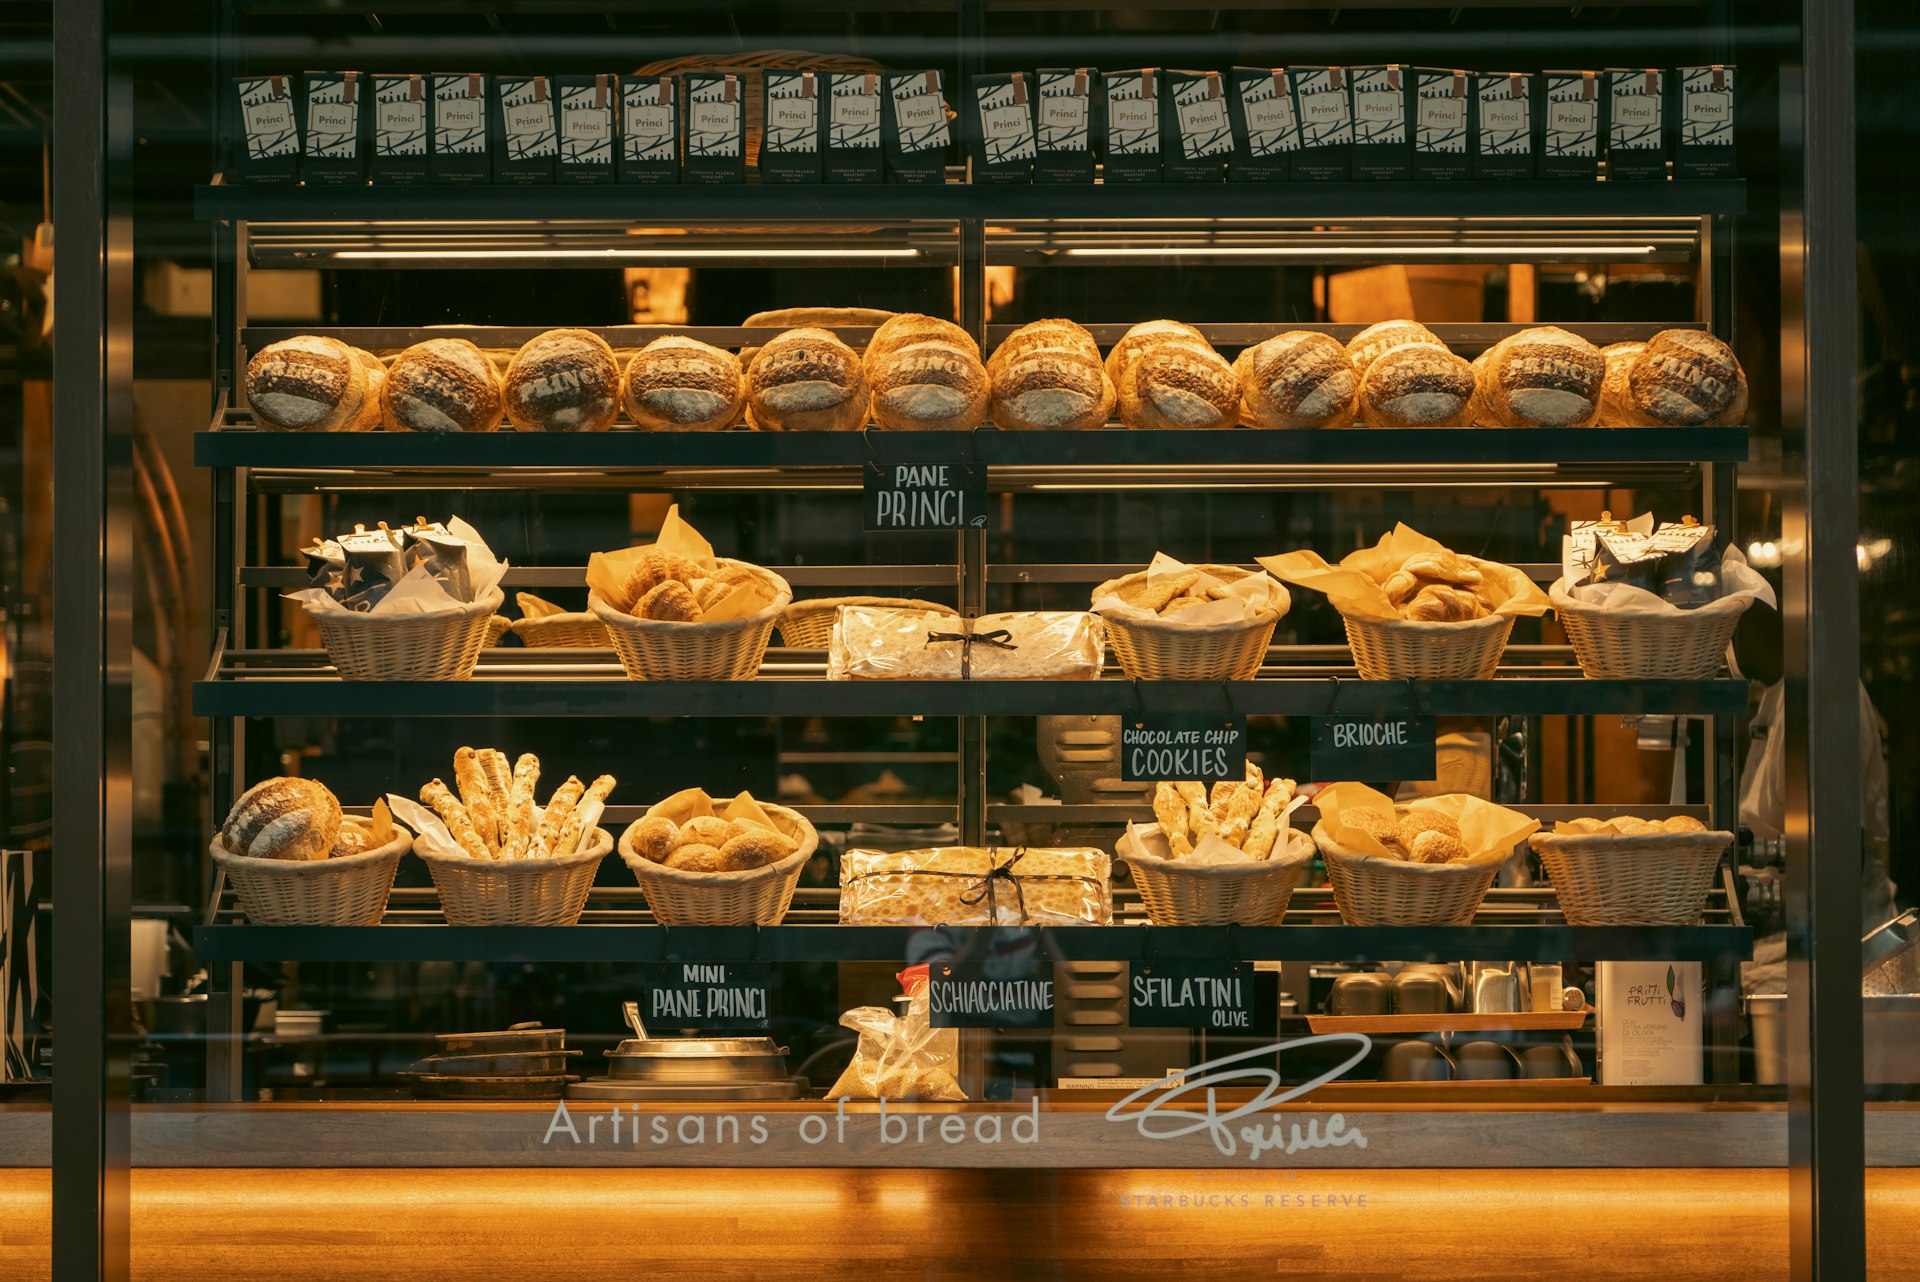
(656, 650)
(808, 625)
(576, 631)
(408, 647)
(349, 891)
(1631, 879)
(1689, 645)
(1154, 650)
(517, 892)
(758, 897)
(1372, 891)
(1409, 649)
(1178, 893)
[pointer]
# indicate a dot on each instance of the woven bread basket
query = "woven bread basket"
(1689, 645)
(1178, 893)
(1372, 891)
(758, 897)
(497, 628)
(1410, 649)
(808, 625)
(1163, 650)
(408, 647)
(657, 650)
(349, 891)
(517, 892)
(754, 86)
(1629, 879)
(578, 631)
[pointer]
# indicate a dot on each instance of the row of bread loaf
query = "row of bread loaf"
(922, 373)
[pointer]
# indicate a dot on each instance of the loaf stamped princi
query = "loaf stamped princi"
(925, 374)
(806, 380)
(1048, 376)
(308, 383)
(564, 380)
(1416, 385)
(1688, 378)
(677, 384)
(1297, 379)
(1375, 341)
(1541, 377)
(1169, 376)
(441, 385)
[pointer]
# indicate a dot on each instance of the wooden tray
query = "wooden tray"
(438, 1086)
(1540, 1021)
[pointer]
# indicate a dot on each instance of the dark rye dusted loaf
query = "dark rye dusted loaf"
(441, 385)
(924, 374)
(677, 384)
(564, 380)
(806, 380)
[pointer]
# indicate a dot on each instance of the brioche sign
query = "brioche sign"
(926, 496)
(1373, 749)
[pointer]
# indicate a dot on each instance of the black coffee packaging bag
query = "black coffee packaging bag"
(400, 129)
(526, 139)
(1704, 108)
(1266, 129)
(1441, 117)
(1382, 149)
(853, 128)
(1326, 123)
(715, 112)
(1131, 150)
(268, 129)
(1505, 128)
(460, 129)
(589, 128)
(915, 130)
(790, 135)
(1573, 123)
(335, 142)
(1637, 122)
(1202, 132)
(1063, 124)
(1003, 137)
(649, 130)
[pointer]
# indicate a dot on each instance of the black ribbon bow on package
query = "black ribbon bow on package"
(999, 639)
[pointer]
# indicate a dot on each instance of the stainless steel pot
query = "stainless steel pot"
(708, 1061)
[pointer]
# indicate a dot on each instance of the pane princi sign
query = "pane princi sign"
(926, 496)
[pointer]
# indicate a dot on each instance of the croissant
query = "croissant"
(1437, 603)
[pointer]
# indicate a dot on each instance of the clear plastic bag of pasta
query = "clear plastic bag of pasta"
(901, 1057)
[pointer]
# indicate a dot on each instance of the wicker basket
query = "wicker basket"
(577, 631)
(756, 898)
(1644, 879)
(1409, 649)
(517, 892)
(1181, 894)
(1159, 650)
(408, 647)
(497, 628)
(656, 650)
(1372, 891)
(349, 891)
(808, 625)
(1688, 645)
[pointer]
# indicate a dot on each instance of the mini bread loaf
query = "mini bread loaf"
(1174, 379)
(1541, 377)
(696, 858)
(1048, 375)
(1416, 386)
(925, 374)
(1616, 401)
(655, 837)
(755, 849)
(441, 385)
(1296, 379)
(806, 380)
(564, 380)
(307, 384)
(1688, 378)
(368, 417)
(676, 384)
(1375, 341)
(707, 830)
(283, 818)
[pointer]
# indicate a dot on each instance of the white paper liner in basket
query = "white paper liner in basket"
(1250, 595)
(418, 592)
(349, 891)
(1624, 632)
(506, 892)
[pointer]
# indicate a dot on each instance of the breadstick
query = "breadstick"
(565, 798)
(1171, 811)
(1200, 820)
(1242, 808)
(476, 797)
(519, 825)
(1266, 824)
(455, 816)
(570, 833)
(493, 768)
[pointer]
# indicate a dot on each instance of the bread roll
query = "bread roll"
(1416, 385)
(283, 818)
(307, 384)
(1296, 379)
(1541, 377)
(1169, 376)
(1616, 401)
(806, 380)
(564, 380)
(441, 385)
(925, 374)
(696, 858)
(1375, 341)
(1688, 378)
(655, 837)
(1048, 375)
(676, 384)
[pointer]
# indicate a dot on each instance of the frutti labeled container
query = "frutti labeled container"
(1004, 144)
(1326, 123)
(1266, 128)
(1704, 142)
(524, 138)
(1063, 124)
(790, 139)
(1442, 110)
(1382, 144)
(649, 130)
(401, 124)
(1505, 126)
(916, 132)
(334, 145)
(589, 115)
(460, 129)
(853, 152)
(1200, 133)
(715, 112)
(1638, 122)
(1131, 150)
(266, 129)
(1573, 123)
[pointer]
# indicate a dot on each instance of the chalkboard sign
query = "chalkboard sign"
(1216, 995)
(706, 995)
(1184, 747)
(926, 496)
(966, 996)
(1373, 749)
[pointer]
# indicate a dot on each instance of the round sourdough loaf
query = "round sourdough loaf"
(1616, 400)
(1375, 341)
(1142, 336)
(1048, 376)
(1688, 378)
(1416, 385)
(1541, 377)
(1180, 384)
(1297, 379)
(306, 384)
(564, 380)
(441, 385)
(925, 374)
(676, 384)
(806, 380)
(283, 818)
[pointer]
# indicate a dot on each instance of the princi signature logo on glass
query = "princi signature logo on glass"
(1162, 1116)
